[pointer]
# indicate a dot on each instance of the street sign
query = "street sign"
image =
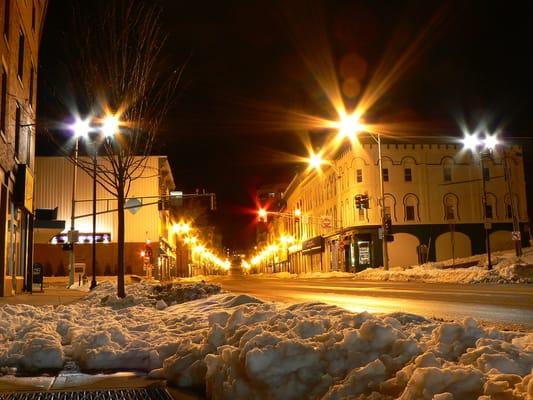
(133, 205)
(73, 236)
(515, 235)
(325, 221)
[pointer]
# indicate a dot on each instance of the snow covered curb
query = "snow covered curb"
(506, 269)
(239, 347)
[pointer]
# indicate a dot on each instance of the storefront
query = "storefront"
(313, 252)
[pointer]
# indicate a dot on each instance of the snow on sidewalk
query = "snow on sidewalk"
(506, 269)
(239, 347)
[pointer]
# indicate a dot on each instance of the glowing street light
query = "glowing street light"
(81, 127)
(110, 125)
(491, 141)
(349, 126)
(471, 141)
(315, 161)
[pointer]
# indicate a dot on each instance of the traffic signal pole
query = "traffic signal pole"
(382, 190)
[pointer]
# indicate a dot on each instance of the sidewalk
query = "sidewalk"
(85, 382)
(50, 296)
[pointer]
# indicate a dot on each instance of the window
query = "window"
(6, 18)
(450, 211)
(386, 211)
(359, 175)
(20, 68)
(410, 213)
(488, 211)
(385, 173)
(447, 173)
(17, 131)
(408, 175)
(30, 95)
(361, 214)
(509, 211)
(486, 173)
(3, 109)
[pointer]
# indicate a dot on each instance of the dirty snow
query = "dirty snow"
(507, 268)
(239, 347)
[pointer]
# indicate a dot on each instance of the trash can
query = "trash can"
(37, 276)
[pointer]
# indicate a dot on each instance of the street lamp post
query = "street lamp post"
(80, 128)
(485, 147)
(349, 126)
(93, 281)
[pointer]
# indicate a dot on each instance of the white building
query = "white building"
(433, 196)
(150, 222)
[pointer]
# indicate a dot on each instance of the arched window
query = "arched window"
(451, 207)
(447, 169)
(491, 209)
(410, 207)
(390, 206)
(509, 206)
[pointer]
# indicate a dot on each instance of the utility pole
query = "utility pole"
(486, 223)
(512, 203)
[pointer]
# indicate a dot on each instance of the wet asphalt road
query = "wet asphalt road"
(505, 306)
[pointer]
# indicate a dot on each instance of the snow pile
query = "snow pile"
(506, 269)
(239, 347)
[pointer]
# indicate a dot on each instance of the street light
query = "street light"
(349, 126)
(473, 143)
(80, 128)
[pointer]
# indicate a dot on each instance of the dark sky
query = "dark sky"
(248, 62)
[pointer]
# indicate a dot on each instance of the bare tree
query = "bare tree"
(118, 72)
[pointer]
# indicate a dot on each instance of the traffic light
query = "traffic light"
(388, 225)
(358, 201)
(262, 214)
(364, 201)
(361, 201)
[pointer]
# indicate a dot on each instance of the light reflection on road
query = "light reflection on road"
(503, 305)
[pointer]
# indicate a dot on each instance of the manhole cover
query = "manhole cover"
(115, 394)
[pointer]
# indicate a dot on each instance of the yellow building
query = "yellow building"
(151, 222)
(433, 197)
(22, 23)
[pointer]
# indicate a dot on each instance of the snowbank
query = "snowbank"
(239, 347)
(506, 269)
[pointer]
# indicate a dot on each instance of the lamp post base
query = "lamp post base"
(93, 284)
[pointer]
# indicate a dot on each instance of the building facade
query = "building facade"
(433, 198)
(22, 23)
(147, 224)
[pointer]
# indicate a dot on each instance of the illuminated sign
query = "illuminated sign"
(82, 238)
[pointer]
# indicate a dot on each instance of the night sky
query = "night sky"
(248, 62)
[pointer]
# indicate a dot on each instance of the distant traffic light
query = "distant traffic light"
(361, 201)
(262, 214)
(388, 225)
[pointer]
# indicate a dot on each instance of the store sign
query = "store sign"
(325, 221)
(314, 245)
(294, 248)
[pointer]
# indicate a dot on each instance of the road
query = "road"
(504, 306)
